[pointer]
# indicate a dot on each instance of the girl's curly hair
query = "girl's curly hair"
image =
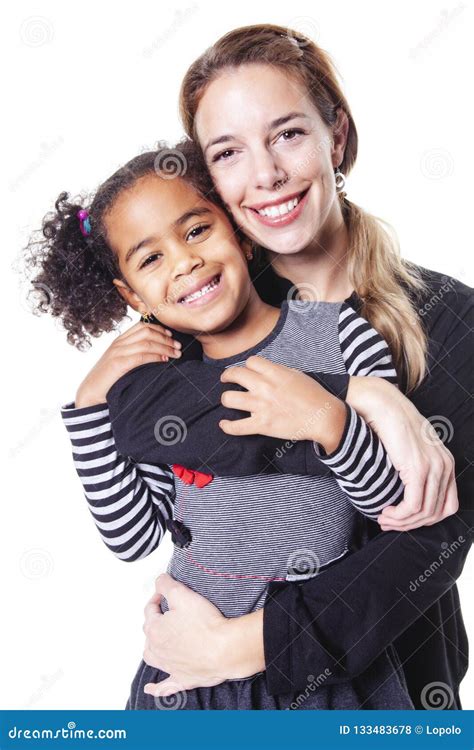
(74, 273)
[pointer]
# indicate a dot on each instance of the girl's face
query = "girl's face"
(270, 155)
(171, 243)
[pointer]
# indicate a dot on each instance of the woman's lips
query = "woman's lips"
(285, 219)
(207, 297)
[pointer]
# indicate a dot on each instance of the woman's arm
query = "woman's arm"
(343, 618)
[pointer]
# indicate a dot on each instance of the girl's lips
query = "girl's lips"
(282, 221)
(208, 296)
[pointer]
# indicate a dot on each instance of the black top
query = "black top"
(399, 587)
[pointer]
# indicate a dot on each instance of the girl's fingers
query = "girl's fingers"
(238, 400)
(151, 328)
(138, 348)
(242, 376)
(238, 426)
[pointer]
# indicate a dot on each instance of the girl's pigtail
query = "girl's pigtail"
(76, 272)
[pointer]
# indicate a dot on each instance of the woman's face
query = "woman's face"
(179, 256)
(270, 155)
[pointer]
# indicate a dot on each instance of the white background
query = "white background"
(90, 85)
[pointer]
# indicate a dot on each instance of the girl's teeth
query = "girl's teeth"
(201, 291)
(281, 210)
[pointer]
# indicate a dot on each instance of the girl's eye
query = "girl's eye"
(197, 231)
(149, 259)
(289, 135)
(223, 155)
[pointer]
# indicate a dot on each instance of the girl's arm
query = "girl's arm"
(361, 465)
(130, 503)
(170, 414)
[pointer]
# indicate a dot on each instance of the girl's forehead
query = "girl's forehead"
(151, 206)
(155, 198)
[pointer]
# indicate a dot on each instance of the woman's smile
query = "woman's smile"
(282, 212)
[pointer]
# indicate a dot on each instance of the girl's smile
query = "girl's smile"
(204, 291)
(181, 260)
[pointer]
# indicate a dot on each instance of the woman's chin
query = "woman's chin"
(287, 243)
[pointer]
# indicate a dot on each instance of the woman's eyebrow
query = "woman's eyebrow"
(273, 124)
(196, 211)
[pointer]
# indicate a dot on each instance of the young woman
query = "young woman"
(274, 125)
(345, 250)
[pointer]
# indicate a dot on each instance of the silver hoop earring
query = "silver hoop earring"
(340, 180)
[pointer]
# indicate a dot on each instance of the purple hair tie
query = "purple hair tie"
(84, 221)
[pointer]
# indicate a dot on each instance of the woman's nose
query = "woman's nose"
(267, 172)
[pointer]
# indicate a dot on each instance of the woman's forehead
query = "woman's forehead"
(239, 99)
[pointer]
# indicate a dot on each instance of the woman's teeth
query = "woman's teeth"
(281, 209)
(202, 291)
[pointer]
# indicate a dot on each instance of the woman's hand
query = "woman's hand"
(284, 403)
(194, 643)
(142, 343)
(425, 465)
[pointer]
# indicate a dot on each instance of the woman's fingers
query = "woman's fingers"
(152, 606)
(163, 689)
(412, 502)
(439, 505)
(433, 494)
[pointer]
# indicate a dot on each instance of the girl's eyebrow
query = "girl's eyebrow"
(273, 124)
(196, 211)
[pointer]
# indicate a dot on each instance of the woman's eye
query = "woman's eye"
(197, 231)
(224, 155)
(149, 259)
(289, 135)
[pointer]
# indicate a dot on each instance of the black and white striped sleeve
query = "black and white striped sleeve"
(362, 467)
(129, 502)
(360, 463)
(364, 350)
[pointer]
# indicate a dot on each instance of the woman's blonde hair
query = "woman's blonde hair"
(383, 280)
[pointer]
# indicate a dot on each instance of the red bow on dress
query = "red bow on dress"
(189, 476)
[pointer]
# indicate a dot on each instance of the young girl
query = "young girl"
(168, 248)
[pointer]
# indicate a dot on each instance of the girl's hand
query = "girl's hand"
(142, 343)
(191, 641)
(283, 403)
(425, 465)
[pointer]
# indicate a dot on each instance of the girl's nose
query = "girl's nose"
(185, 262)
